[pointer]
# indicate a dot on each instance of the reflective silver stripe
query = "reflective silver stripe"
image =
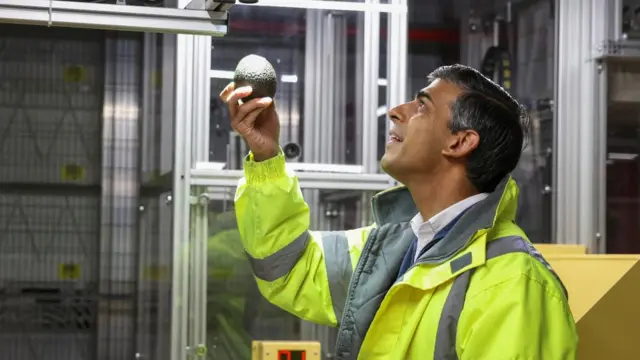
(445, 347)
(339, 269)
(277, 265)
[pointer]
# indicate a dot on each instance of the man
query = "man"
(444, 273)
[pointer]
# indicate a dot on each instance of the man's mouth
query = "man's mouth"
(393, 137)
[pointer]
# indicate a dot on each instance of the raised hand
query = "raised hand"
(256, 121)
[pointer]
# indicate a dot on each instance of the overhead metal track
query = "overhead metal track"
(334, 5)
(113, 17)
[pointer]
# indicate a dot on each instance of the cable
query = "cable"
(497, 65)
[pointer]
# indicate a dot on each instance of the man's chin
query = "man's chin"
(386, 163)
(390, 165)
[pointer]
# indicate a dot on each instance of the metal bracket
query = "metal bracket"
(619, 49)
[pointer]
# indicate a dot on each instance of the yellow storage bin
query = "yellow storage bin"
(604, 295)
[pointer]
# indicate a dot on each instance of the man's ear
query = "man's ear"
(461, 144)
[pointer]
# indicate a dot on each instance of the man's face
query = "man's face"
(419, 133)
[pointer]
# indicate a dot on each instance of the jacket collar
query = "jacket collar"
(396, 206)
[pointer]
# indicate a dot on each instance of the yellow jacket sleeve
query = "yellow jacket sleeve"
(523, 318)
(304, 272)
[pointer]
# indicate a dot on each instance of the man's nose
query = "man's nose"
(396, 114)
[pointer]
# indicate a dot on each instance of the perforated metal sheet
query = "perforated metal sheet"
(50, 107)
(46, 238)
(72, 225)
(50, 144)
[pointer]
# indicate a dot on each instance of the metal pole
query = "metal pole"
(370, 89)
(200, 83)
(180, 290)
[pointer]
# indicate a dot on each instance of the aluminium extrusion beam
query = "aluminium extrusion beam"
(113, 17)
(307, 180)
(200, 100)
(370, 100)
(295, 166)
(181, 327)
(370, 7)
(397, 59)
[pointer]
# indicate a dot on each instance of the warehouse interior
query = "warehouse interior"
(118, 164)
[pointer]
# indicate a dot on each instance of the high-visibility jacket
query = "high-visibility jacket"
(483, 292)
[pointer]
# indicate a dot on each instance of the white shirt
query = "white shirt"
(426, 230)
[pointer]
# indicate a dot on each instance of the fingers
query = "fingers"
(243, 116)
(232, 96)
(247, 113)
(227, 91)
(243, 127)
(245, 109)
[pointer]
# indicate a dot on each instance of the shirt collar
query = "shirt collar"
(431, 227)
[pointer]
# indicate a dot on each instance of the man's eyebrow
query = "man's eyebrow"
(422, 94)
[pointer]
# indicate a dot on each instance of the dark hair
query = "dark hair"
(496, 116)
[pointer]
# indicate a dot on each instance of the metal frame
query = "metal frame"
(584, 29)
(180, 289)
(208, 175)
(186, 87)
(113, 17)
(397, 56)
(308, 180)
(366, 6)
(190, 223)
(397, 59)
(319, 171)
(371, 69)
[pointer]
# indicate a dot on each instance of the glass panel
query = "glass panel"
(383, 88)
(318, 56)
(531, 43)
(236, 312)
(630, 19)
(154, 207)
(51, 92)
(623, 164)
(534, 81)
